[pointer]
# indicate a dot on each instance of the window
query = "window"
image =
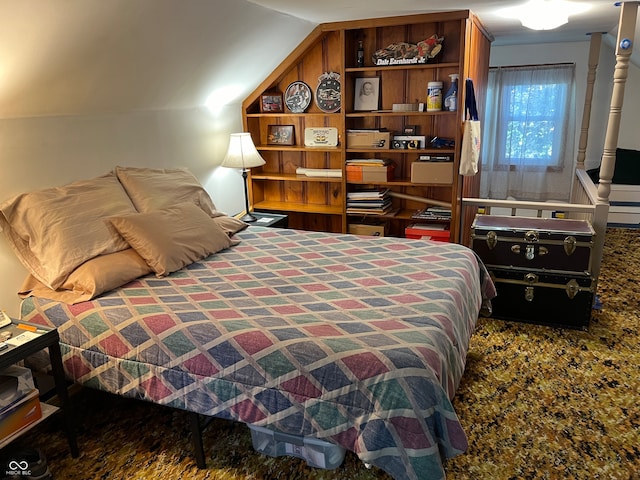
(529, 130)
(534, 127)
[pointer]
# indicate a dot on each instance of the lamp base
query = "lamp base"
(248, 218)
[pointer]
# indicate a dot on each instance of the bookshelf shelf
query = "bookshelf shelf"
(387, 113)
(292, 177)
(399, 183)
(424, 66)
(298, 148)
(298, 207)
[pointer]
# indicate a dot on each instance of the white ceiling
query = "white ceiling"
(72, 57)
(602, 17)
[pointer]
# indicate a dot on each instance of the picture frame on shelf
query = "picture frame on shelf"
(280, 135)
(367, 94)
(271, 102)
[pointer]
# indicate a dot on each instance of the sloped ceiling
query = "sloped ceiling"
(70, 57)
(601, 17)
(65, 57)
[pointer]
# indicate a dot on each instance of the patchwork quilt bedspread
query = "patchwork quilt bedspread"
(360, 341)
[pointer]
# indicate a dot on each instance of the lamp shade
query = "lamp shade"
(242, 152)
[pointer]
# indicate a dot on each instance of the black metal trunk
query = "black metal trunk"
(541, 268)
(545, 243)
(543, 297)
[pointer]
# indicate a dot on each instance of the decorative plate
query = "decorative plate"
(328, 92)
(297, 97)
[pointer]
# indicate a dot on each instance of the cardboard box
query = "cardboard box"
(15, 382)
(435, 232)
(20, 414)
(371, 230)
(377, 140)
(371, 174)
(432, 172)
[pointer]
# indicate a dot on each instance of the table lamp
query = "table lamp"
(242, 154)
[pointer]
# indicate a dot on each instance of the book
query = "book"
(433, 213)
(319, 172)
(368, 211)
(368, 161)
(370, 193)
(369, 203)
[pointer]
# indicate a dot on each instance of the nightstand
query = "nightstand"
(268, 219)
(27, 339)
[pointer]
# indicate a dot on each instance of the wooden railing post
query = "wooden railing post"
(624, 48)
(594, 56)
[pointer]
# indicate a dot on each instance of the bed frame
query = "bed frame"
(588, 201)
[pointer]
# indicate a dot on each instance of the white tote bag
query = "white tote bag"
(470, 154)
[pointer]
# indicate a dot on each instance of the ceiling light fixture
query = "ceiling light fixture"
(544, 14)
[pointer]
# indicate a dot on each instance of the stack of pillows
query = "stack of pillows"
(82, 239)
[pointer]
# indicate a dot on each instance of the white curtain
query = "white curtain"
(529, 133)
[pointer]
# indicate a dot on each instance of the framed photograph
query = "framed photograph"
(271, 103)
(280, 135)
(410, 130)
(367, 93)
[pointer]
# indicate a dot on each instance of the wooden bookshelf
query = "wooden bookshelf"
(319, 203)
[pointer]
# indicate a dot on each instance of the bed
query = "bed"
(359, 341)
(624, 198)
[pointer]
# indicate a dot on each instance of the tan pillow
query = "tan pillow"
(54, 230)
(170, 238)
(230, 225)
(151, 189)
(92, 278)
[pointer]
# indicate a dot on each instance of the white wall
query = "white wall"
(79, 95)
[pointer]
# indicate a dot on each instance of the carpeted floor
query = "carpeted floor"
(535, 402)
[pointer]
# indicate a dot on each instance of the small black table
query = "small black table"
(43, 337)
(269, 219)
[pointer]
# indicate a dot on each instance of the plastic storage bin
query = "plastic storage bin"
(435, 232)
(317, 453)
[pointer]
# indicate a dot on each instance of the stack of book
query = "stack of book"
(433, 213)
(19, 402)
(376, 201)
(373, 170)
